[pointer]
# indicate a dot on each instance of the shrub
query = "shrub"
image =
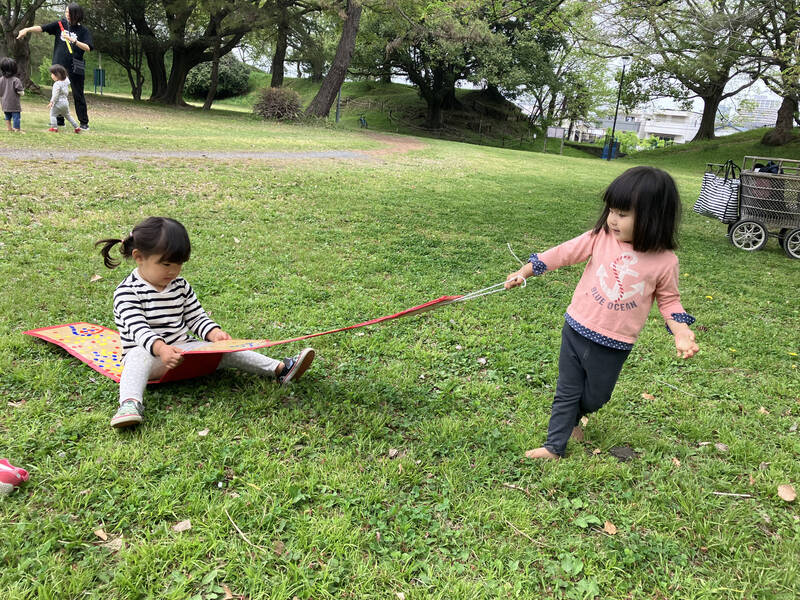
(233, 79)
(281, 104)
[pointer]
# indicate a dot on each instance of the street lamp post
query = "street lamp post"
(625, 61)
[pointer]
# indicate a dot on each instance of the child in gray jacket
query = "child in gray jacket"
(11, 90)
(59, 101)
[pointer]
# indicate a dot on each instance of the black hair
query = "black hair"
(59, 71)
(159, 236)
(8, 66)
(653, 197)
(75, 14)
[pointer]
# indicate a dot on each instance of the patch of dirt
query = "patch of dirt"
(395, 144)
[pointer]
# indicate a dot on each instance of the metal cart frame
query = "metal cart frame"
(769, 206)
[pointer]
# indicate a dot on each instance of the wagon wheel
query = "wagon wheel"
(782, 235)
(749, 235)
(791, 243)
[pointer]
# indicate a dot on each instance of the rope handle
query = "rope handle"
(497, 287)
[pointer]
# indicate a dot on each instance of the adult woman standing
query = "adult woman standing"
(71, 41)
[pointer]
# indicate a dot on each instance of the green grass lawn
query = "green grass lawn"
(394, 467)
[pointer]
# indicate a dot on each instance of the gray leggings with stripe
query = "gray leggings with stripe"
(140, 367)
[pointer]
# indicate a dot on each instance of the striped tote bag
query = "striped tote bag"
(719, 194)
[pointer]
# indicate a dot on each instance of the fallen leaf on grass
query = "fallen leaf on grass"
(596, 451)
(752, 480)
(763, 411)
(400, 596)
(278, 547)
(676, 462)
(114, 544)
(647, 396)
(182, 526)
(203, 432)
(721, 447)
(609, 528)
(793, 428)
(95, 278)
(228, 592)
(481, 361)
(16, 404)
(101, 534)
(584, 421)
(786, 492)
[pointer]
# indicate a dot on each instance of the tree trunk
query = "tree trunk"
(158, 72)
(182, 63)
(782, 133)
(321, 104)
(21, 52)
(435, 117)
(281, 45)
(710, 108)
(317, 68)
(212, 88)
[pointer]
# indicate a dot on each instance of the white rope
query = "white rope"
(497, 287)
(492, 289)
(514, 255)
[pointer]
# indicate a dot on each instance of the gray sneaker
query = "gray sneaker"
(295, 366)
(128, 414)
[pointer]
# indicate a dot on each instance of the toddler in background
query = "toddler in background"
(11, 90)
(59, 101)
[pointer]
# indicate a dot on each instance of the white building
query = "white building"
(679, 126)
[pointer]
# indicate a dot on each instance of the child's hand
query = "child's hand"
(685, 344)
(513, 280)
(217, 335)
(170, 356)
(49, 105)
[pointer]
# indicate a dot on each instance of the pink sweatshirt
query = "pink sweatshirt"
(618, 286)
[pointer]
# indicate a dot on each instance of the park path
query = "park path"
(392, 145)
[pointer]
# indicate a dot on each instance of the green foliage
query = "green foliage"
(278, 104)
(233, 78)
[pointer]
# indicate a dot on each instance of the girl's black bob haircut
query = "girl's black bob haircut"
(653, 197)
(155, 236)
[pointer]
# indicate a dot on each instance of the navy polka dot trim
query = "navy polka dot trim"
(538, 266)
(596, 337)
(681, 318)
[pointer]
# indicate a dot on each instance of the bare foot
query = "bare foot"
(577, 433)
(541, 453)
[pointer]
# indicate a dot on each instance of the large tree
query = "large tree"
(114, 31)
(321, 104)
(16, 15)
(700, 44)
(288, 19)
(779, 45)
(437, 44)
(191, 31)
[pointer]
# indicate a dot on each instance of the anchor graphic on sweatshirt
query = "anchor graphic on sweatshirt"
(620, 268)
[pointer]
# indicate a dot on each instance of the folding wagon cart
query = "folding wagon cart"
(762, 202)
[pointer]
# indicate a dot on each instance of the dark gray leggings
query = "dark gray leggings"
(587, 374)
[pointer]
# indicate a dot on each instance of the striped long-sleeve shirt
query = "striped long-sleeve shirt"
(144, 315)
